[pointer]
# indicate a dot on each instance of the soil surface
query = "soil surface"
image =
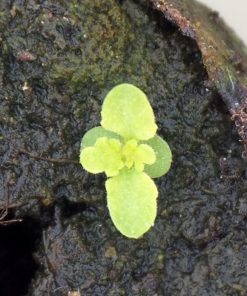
(58, 59)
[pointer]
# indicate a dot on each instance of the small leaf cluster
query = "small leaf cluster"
(127, 149)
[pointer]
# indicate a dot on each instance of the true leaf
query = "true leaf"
(132, 202)
(93, 134)
(89, 160)
(137, 155)
(127, 112)
(104, 156)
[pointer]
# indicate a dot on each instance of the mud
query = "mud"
(58, 59)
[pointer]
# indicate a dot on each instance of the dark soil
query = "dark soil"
(16, 256)
(58, 59)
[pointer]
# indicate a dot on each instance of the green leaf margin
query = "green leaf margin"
(163, 157)
(127, 112)
(132, 202)
(93, 134)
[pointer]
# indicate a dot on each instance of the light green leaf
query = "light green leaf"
(90, 161)
(137, 155)
(93, 134)
(127, 112)
(146, 154)
(104, 156)
(163, 157)
(131, 199)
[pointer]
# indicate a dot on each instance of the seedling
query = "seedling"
(130, 153)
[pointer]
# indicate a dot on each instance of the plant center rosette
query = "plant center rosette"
(127, 148)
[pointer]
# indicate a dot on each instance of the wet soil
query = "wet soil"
(58, 59)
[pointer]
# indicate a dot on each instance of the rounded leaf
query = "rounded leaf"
(90, 161)
(95, 133)
(127, 112)
(104, 156)
(146, 154)
(132, 202)
(137, 155)
(163, 157)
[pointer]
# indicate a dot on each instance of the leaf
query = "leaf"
(104, 156)
(127, 112)
(131, 199)
(163, 157)
(137, 155)
(93, 134)
(145, 154)
(89, 160)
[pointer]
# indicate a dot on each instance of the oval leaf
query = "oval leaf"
(127, 112)
(131, 199)
(95, 133)
(89, 159)
(163, 157)
(104, 156)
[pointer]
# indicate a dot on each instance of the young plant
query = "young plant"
(130, 153)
